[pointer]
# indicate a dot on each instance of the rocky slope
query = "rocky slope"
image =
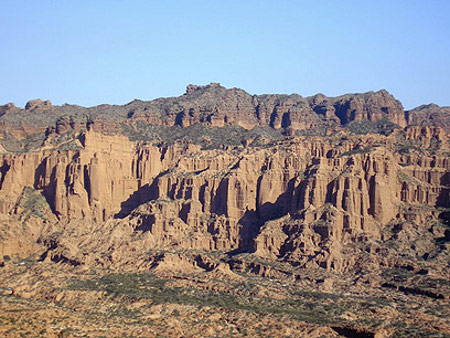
(430, 114)
(216, 106)
(222, 184)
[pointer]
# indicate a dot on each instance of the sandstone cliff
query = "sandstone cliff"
(322, 210)
(300, 200)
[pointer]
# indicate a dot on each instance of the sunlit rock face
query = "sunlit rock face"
(285, 200)
(283, 177)
(333, 213)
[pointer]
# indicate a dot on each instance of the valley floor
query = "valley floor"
(59, 300)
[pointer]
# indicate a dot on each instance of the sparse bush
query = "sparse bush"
(33, 203)
(202, 134)
(383, 127)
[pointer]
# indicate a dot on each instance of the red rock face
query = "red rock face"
(281, 198)
(336, 189)
(216, 105)
(430, 115)
(327, 204)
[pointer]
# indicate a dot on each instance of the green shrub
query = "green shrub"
(33, 203)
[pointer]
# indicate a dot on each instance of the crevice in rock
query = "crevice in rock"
(219, 200)
(371, 190)
(3, 170)
(87, 182)
(285, 120)
(49, 192)
(273, 118)
(179, 119)
(342, 111)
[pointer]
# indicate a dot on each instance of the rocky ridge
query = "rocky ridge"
(215, 106)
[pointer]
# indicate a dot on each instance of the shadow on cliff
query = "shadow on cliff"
(3, 170)
(252, 220)
(443, 200)
(144, 194)
(48, 191)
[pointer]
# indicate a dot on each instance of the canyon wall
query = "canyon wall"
(283, 200)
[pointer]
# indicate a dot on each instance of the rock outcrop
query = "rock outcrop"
(289, 198)
(228, 207)
(215, 106)
(430, 115)
(38, 104)
(219, 106)
(286, 201)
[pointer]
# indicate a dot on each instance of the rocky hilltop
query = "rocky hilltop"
(216, 106)
(346, 195)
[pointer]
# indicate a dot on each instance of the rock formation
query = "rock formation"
(215, 106)
(430, 114)
(338, 187)
(161, 185)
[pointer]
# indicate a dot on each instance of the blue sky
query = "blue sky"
(93, 52)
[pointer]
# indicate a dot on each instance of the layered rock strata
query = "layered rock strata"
(214, 106)
(292, 200)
